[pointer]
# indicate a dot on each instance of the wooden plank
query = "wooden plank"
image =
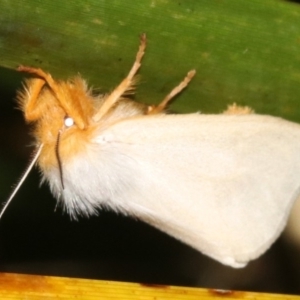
(21, 286)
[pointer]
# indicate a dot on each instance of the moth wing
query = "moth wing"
(222, 184)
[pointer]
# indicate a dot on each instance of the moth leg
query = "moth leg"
(125, 85)
(31, 110)
(57, 90)
(156, 109)
(40, 73)
(38, 84)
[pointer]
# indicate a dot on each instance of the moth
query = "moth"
(223, 184)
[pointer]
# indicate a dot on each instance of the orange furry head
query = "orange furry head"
(47, 104)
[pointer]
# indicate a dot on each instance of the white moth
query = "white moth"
(223, 184)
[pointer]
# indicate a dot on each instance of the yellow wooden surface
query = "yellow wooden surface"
(32, 287)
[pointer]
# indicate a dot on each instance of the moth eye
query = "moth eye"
(68, 122)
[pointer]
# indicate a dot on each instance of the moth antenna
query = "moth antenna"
(28, 169)
(125, 84)
(59, 160)
(155, 109)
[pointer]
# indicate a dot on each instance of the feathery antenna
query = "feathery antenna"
(28, 169)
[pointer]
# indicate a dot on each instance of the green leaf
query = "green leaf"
(244, 51)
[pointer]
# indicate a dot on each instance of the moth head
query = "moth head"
(56, 108)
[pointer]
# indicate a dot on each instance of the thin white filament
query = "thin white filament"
(31, 165)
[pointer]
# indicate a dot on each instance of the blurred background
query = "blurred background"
(244, 52)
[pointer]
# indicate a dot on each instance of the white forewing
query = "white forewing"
(222, 184)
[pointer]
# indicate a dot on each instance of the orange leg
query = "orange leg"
(28, 100)
(125, 85)
(40, 73)
(156, 109)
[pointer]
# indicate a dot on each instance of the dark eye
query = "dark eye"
(68, 122)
